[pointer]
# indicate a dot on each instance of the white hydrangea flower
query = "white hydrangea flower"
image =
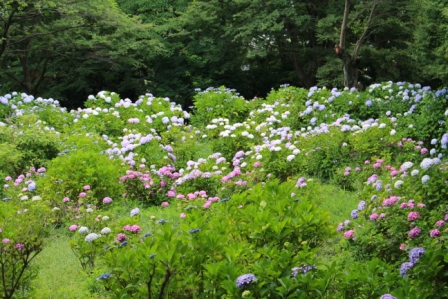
(425, 179)
(290, 158)
(91, 237)
(426, 163)
(83, 230)
(414, 172)
(105, 218)
(398, 184)
(106, 231)
(407, 165)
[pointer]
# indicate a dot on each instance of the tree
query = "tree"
(430, 48)
(72, 46)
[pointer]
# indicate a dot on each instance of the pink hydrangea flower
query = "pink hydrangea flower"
(366, 162)
(66, 199)
(415, 232)
(121, 238)
(412, 216)
(421, 205)
(183, 215)
(19, 246)
(86, 187)
(73, 227)
(8, 178)
(165, 204)
(6, 241)
(423, 151)
(135, 228)
(403, 205)
(382, 215)
(127, 227)
(440, 223)
(374, 216)
(348, 234)
(403, 246)
(207, 204)
(171, 193)
(434, 233)
(257, 164)
(82, 194)
(107, 200)
(191, 196)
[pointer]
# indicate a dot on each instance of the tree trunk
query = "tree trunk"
(350, 71)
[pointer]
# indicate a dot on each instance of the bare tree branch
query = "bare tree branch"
(364, 34)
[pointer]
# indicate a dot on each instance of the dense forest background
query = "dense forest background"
(68, 49)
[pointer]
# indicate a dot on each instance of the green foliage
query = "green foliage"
(23, 229)
(87, 167)
(220, 102)
(35, 144)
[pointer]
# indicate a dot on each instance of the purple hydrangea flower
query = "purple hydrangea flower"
(354, 214)
(415, 254)
(302, 269)
(245, 280)
(388, 296)
(415, 232)
(135, 211)
(362, 205)
(405, 268)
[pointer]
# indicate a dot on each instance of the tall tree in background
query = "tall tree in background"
(67, 46)
(374, 43)
(430, 46)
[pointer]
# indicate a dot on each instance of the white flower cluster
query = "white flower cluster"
(91, 237)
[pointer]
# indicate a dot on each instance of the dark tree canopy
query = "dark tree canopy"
(68, 49)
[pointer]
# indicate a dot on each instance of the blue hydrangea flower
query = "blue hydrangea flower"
(362, 205)
(32, 186)
(415, 254)
(405, 268)
(135, 211)
(245, 280)
(104, 276)
(303, 269)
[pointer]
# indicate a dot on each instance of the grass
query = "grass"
(60, 273)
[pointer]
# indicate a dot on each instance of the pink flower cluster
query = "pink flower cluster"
(301, 182)
(415, 232)
(209, 202)
(374, 216)
(410, 204)
(73, 227)
(390, 201)
(121, 238)
(134, 228)
(348, 234)
(412, 216)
